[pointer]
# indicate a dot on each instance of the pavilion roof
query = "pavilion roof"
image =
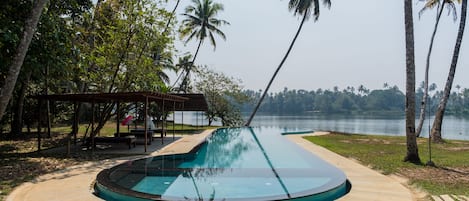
(183, 102)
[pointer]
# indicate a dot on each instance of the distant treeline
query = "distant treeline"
(389, 100)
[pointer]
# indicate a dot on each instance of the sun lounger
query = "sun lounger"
(129, 140)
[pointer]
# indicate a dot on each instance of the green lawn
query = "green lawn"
(386, 154)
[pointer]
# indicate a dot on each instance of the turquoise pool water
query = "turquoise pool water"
(233, 164)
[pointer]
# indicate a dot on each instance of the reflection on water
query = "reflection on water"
(235, 163)
(453, 127)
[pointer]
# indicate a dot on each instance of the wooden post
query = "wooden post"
(136, 114)
(174, 118)
(92, 127)
(75, 122)
(162, 125)
(145, 122)
(182, 117)
(117, 119)
(39, 125)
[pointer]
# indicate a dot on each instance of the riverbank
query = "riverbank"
(385, 154)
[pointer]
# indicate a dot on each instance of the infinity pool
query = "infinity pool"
(233, 164)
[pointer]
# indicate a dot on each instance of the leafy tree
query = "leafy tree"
(299, 7)
(48, 56)
(123, 49)
(200, 23)
(436, 127)
(20, 53)
(412, 149)
(223, 96)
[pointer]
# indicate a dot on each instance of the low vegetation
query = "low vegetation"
(386, 153)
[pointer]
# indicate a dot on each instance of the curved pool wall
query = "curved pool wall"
(233, 164)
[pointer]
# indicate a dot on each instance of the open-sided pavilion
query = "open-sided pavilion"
(167, 102)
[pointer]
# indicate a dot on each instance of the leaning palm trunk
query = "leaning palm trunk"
(412, 149)
(15, 67)
(173, 14)
(427, 68)
(185, 80)
(436, 128)
(305, 16)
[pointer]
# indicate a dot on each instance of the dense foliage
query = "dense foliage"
(80, 46)
(353, 100)
(224, 97)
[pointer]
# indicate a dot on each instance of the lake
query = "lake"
(454, 127)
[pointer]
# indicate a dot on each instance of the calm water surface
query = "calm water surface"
(453, 127)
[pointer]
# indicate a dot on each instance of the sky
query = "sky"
(353, 43)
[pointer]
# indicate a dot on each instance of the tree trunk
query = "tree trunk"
(185, 80)
(276, 71)
(427, 68)
(46, 90)
(15, 67)
(170, 18)
(412, 149)
(17, 123)
(436, 128)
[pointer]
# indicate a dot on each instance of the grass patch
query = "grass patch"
(386, 154)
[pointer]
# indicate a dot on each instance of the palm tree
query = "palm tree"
(18, 59)
(299, 7)
(184, 65)
(412, 149)
(201, 23)
(428, 5)
(436, 128)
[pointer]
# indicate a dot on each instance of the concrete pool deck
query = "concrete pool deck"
(76, 183)
(367, 184)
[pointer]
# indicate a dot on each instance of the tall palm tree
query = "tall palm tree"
(412, 149)
(200, 23)
(299, 7)
(436, 128)
(431, 4)
(30, 25)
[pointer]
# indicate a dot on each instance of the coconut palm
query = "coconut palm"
(436, 128)
(201, 23)
(441, 5)
(306, 8)
(184, 65)
(412, 149)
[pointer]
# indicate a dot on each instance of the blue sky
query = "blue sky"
(353, 43)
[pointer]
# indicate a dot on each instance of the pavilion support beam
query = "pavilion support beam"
(39, 102)
(118, 118)
(174, 119)
(162, 125)
(145, 126)
(92, 127)
(182, 118)
(136, 114)
(75, 123)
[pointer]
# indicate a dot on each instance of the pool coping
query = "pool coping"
(76, 182)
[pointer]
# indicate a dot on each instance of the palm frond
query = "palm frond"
(201, 22)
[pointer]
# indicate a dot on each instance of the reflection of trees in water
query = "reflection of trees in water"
(224, 148)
